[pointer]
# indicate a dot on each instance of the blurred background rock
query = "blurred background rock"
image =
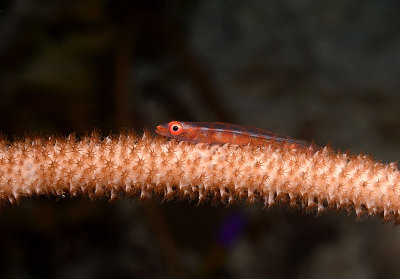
(319, 70)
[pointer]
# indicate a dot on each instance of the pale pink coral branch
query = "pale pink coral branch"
(133, 166)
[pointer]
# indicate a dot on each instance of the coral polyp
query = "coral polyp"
(127, 165)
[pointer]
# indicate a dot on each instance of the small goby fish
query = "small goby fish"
(221, 133)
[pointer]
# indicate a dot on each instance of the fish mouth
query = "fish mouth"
(162, 130)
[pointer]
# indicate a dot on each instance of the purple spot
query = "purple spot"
(231, 229)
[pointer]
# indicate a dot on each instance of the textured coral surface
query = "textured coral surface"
(141, 167)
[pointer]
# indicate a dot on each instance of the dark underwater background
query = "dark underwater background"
(326, 71)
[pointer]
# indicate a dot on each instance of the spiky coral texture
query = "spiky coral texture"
(141, 167)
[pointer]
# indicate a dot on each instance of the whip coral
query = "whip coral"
(143, 166)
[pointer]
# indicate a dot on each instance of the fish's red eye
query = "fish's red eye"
(175, 128)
